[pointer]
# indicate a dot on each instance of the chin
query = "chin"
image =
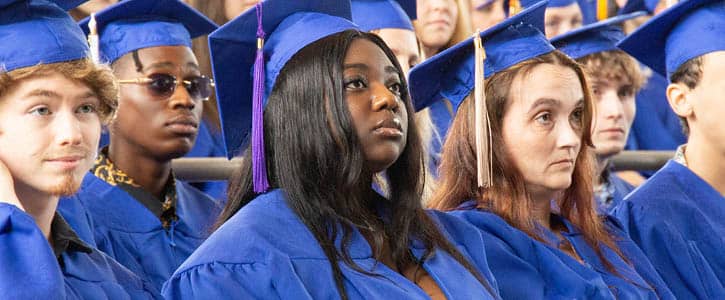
(66, 185)
(609, 149)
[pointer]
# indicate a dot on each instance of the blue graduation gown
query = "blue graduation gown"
(207, 144)
(131, 234)
(679, 222)
(618, 188)
(529, 269)
(655, 126)
(30, 269)
(266, 252)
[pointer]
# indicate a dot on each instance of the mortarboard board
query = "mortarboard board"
(450, 74)
(377, 14)
(684, 31)
(38, 32)
(244, 76)
(459, 71)
(136, 24)
(593, 38)
(639, 5)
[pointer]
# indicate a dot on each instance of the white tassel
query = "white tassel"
(484, 153)
(93, 39)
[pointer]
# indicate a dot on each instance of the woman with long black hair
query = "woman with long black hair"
(303, 220)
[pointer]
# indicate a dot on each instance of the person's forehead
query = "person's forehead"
(51, 84)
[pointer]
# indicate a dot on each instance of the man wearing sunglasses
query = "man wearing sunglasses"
(143, 217)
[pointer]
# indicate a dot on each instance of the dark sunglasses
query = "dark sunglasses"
(163, 85)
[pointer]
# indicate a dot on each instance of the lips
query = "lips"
(183, 124)
(563, 161)
(389, 128)
(613, 130)
(67, 161)
(438, 22)
(188, 120)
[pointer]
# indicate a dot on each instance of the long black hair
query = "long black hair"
(314, 155)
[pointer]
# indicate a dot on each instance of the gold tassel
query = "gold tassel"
(484, 140)
(93, 39)
(602, 10)
(514, 7)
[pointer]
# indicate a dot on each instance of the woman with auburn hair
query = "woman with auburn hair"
(518, 164)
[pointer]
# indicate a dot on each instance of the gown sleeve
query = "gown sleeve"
(29, 269)
(223, 281)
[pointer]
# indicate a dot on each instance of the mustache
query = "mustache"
(79, 152)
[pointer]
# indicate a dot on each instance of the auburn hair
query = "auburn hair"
(508, 197)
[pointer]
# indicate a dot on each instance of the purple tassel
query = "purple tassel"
(259, 166)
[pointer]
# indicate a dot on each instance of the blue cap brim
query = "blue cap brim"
(593, 38)
(450, 74)
(684, 31)
(137, 24)
(289, 27)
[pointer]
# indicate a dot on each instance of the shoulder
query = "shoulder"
(263, 228)
(662, 186)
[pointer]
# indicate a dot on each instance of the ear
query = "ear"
(677, 96)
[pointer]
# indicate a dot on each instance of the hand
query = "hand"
(7, 187)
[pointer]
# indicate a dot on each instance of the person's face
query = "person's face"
(436, 22)
(234, 8)
(49, 132)
(403, 44)
(373, 94)
(163, 127)
(95, 5)
(542, 127)
(560, 20)
(615, 109)
(484, 17)
(706, 100)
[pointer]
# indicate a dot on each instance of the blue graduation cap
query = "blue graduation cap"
(136, 24)
(639, 5)
(593, 38)
(450, 74)
(240, 53)
(686, 30)
(38, 32)
(460, 70)
(378, 14)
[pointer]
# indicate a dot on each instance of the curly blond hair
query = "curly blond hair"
(99, 78)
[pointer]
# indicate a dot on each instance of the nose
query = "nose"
(568, 136)
(181, 99)
(68, 129)
(438, 4)
(383, 98)
(610, 105)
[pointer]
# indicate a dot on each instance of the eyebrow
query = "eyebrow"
(170, 65)
(364, 67)
(51, 94)
(544, 102)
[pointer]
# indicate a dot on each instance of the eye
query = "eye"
(354, 84)
(596, 91)
(86, 109)
(395, 88)
(543, 118)
(576, 22)
(41, 111)
(626, 92)
(576, 116)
